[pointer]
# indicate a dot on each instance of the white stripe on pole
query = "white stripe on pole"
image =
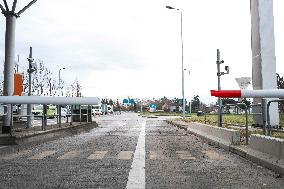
(49, 100)
(266, 93)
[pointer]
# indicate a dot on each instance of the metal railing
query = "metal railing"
(44, 116)
(269, 129)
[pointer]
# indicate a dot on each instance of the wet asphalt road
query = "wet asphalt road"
(128, 151)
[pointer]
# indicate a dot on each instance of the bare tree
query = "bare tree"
(76, 89)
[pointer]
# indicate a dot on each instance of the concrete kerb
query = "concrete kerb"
(246, 152)
(43, 136)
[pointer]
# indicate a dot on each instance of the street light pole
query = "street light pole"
(59, 78)
(30, 71)
(11, 16)
(182, 69)
(219, 74)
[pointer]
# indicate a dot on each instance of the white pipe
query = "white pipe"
(49, 100)
(266, 93)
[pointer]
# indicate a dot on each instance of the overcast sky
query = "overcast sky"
(132, 47)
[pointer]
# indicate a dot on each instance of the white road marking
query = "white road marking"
(136, 178)
(70, 155)
(125, 155)
(184, 155)
(19, 154)
(3, 147)
(212, 155)
(43, 154)
(153, 155)
(98, 155)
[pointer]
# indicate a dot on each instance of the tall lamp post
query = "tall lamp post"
(11, 15)
(182, 69)
(59, 78)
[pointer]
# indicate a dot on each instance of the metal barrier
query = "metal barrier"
(269, 128)
(47, 100)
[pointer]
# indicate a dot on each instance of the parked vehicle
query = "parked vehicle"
(110, 109)
(51, 110)
(37, 109)
(97, 110)
(64, 112)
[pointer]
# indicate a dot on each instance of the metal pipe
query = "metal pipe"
(49, 100)
(219, 88)
(9, 67)
(26, 7)
(30, 71)
(14, 5)
(6, 5)
(247, 131)
(182, 67)
(264, 114)
(59, 115)
(268, 115)
(2, 9)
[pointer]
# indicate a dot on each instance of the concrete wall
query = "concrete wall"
(227, 135)
(268, 145)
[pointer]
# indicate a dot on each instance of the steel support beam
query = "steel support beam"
(9, 67)
(263, 53)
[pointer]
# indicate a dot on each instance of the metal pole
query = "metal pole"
(264, 115)
(183, 99)
(268, 119)
(29, 106)
(141, 106)
(247, 134)
(219, 88)
(59, 82)
(9, 67)
(59, 115)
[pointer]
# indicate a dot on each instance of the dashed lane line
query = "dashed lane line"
(98, 155)
(212, 155)
(16, 155)
(43, 155)
(70, 155)
(185, 155)
(153, 155)
(125, 155)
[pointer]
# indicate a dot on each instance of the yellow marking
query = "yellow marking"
(125, 155)
(212, 155)
(98, 155)
(70, 155)
(43, 154)
(184, 155)
(19, 154)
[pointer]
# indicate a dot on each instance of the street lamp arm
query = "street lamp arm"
(26, 7)
(2, 9)
(14, 5)
(6, 5)
(169, 7)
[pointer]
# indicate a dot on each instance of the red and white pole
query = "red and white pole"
(266, 93)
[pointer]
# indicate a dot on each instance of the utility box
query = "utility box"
(86, 113)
